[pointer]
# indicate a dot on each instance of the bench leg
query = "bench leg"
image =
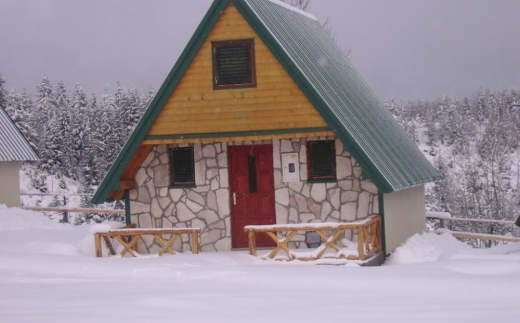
(97, 241)
(252, 242)
(167, 246)
(195, 243)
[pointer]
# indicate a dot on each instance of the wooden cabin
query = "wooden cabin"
(263, 120)
(14, 149)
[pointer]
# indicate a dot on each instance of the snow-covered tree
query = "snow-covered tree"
(3, 93)
(21, 107)
(45, 122)
(78, 132)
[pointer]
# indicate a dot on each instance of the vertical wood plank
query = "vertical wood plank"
(195, 242)
(97, 239)
(252, 242)
(361, 243)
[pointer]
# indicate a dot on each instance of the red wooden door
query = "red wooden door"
(252, 192)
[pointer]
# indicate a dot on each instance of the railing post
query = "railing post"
(252, 242)
(195, 242)
(97, 239)
(361, 243)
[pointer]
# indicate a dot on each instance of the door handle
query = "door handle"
(234, 198)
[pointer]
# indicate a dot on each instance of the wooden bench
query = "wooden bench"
(369, 237)
(135, 234)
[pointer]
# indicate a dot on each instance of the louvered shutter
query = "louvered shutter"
(183, 166)
(323, 160)
(233, 63)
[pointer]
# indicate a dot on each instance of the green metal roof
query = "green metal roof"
(359, 119)
(13, 145)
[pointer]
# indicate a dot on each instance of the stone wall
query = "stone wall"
(154, 205)
(348, 199)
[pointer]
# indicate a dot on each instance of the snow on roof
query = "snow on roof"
(292, 8)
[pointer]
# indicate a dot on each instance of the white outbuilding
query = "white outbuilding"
(14, 149)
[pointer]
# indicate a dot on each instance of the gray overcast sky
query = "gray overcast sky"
(403, 48)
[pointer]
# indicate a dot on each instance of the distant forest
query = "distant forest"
(76, 135)
(473, 142)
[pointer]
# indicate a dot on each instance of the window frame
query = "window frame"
(181, 184)
(332, 177)
(252, 63)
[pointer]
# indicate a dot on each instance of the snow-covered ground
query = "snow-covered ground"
(48, 274)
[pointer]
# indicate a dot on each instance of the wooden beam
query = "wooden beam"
(502, 222)
(73, 210)
(118, 195)
(235, 138)
(482, 236)
(127, 184)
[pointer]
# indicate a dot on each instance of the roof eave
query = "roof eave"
(112, 178)
(319, 103)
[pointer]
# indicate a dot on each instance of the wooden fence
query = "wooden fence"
(444, 219)
(65, 211)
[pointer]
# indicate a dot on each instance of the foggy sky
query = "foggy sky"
(403, 48)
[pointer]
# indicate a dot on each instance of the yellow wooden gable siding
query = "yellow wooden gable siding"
(276, 103)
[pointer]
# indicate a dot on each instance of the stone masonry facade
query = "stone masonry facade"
(153, 204)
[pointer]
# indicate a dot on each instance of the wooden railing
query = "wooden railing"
(73, 210)
(444, 218)
(369, 238)
(65, 211)
(133, 235)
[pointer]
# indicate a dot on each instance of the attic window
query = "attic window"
(234, 64)
(182, 167)
(321, 157)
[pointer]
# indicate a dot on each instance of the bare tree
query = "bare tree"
(300, 4)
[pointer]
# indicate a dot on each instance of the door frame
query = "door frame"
(232, 190)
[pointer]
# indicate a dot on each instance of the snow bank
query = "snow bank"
(106, 226)
(12, 219)
(427, 247)
(86, 245)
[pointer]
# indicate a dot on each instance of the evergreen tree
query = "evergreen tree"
(110, 130)
(45, 120)
(3, 93)
(132, 111)
(61, 130)
(21, 107)
(146, 101)
(94, 145)
(79, 129)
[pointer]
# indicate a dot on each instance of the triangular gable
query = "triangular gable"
(327, 79)
(274, 103)
(133, 153)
